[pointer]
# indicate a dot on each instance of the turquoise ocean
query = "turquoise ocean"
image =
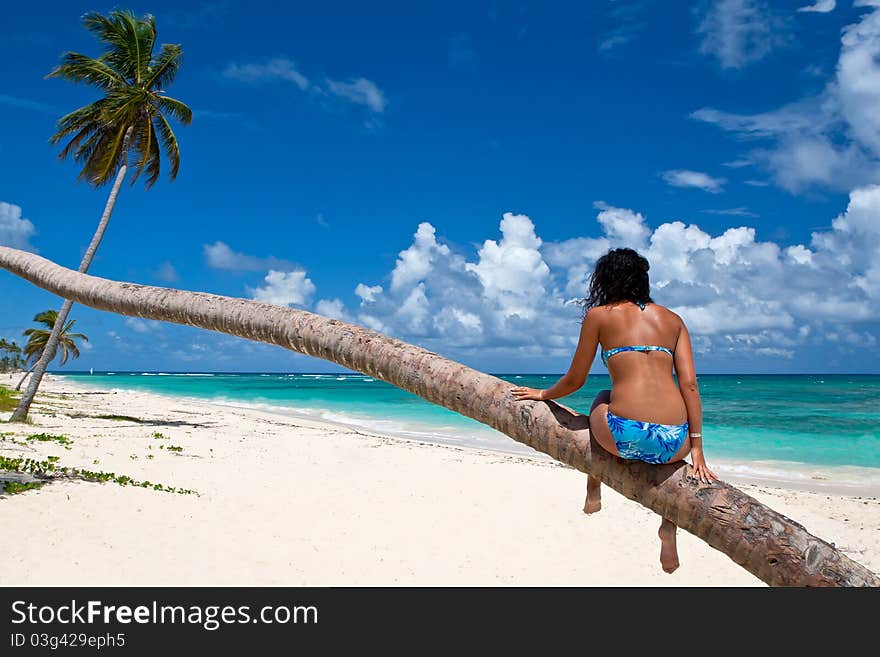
(809, 430)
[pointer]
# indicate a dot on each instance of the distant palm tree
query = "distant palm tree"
(127, 123)
(38, 338)
(11, 356)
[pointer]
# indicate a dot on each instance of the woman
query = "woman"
(646, 415)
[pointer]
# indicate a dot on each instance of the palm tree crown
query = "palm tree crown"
(38, 337)
(134, 83)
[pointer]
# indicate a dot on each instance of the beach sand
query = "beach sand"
(289, 501)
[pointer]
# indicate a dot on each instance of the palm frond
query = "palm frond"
(110, 30)
(107, 157)
(78, 119)
(47, 317)
(143, 146)
(87, 131)
(165, 67)
(125, 106)
(169, 144)
(175, 108)
(77, 68)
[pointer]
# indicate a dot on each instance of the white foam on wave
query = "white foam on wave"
(808, 476)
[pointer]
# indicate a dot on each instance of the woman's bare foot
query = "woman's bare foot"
(668, 547)
(594, 496)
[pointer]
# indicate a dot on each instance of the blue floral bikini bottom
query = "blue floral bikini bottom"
(646, 441)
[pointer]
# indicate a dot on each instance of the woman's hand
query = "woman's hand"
(701, 470)
(521, 393)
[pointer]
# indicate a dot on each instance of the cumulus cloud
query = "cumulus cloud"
(15, 230)
(220, 256)
(512, 271)
(285, 288)
(367, 293)
(738, 294)
(695, 179)
(331, 308)
(831, 139)
(741, 32)
(820, 6)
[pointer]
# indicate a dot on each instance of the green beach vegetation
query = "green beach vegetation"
(8, 399)
(49, 470)
(127, 126)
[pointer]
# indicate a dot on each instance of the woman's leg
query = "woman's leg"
(599, 430)
(668, 545)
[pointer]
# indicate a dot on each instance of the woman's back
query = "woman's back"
(643, 387)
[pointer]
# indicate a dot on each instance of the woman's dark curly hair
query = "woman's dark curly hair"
(619, 275)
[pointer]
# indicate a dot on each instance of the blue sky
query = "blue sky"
(448, 173)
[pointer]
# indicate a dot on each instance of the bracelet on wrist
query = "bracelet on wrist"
(696, 435)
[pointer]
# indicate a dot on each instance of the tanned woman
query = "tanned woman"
(653, 411)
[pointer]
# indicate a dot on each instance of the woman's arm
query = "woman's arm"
(577, 373)
(687, 385)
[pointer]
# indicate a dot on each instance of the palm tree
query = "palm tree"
(11, 359)
(37, 339)
(774, 548)
(128, 123)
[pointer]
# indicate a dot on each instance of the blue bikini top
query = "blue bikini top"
(608, 353)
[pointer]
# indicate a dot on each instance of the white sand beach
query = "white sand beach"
(289, 501)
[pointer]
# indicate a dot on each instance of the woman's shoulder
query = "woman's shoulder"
(669, 315)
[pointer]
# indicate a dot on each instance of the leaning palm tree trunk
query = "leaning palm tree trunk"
(774, 548)
(21, 381)
(21, 411)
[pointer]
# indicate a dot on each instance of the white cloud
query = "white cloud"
(739, 295)
(732, 212)
(416, 261)
(858, 80)
(220, 256)
(512, 271)
(820, 6)
(28, 104)
(166, 272)
(15, 231)
(367, 293)
(331, 308)
(831, 139)
(359, 91)
(275, 69)
(740, 32)
(285, 288)
(697, 179)
(141, 326)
